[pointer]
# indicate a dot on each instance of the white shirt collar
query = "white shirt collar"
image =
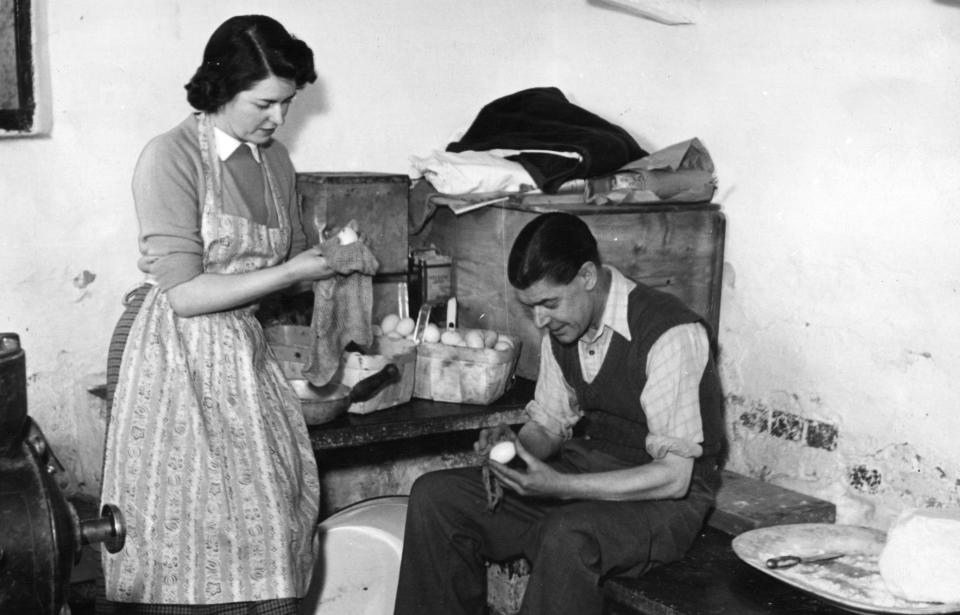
(226, 145)
(616, 308)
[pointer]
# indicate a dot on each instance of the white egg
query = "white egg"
(489, 338)
(501, 346)
(450, 338)
(406, 326)
(503, 452)
(347, 236)
(431, 333)
(505, 339)
(389, 323)
(473, 338)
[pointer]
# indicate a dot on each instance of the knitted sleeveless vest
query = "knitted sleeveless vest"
(613, 420)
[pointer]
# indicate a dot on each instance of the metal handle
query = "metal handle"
(783, 561)
(368, 387)
(108, 529)
(423, 318)
(786, 561)
(452, 313)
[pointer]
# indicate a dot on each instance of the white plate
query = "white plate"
(851, 582)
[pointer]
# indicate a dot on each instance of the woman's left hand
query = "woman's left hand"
(309, 265)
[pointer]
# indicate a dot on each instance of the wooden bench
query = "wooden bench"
(711, 579)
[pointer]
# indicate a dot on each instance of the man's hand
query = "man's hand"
(538, 479)
(490, 436)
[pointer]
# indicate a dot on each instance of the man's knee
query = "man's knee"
(437, 486)
(422, 492)
(564, 538)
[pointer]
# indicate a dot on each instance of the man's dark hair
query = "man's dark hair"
(242, 51)
(551, 247)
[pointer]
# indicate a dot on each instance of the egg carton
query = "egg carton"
(461, 374)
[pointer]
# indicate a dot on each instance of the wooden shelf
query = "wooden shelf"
(422, 417)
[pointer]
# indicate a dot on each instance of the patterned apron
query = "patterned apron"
(208, 454)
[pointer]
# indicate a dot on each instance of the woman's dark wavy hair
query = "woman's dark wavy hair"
(242, 51)
(552, 247)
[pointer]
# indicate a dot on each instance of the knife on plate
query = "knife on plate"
(786, 561)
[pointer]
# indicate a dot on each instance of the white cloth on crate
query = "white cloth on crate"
(342, 308)
(471, 172)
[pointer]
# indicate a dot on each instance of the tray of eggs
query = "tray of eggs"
(457, 364)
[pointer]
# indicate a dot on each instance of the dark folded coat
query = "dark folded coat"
(543, 118)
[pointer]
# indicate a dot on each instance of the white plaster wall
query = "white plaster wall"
(832, 125)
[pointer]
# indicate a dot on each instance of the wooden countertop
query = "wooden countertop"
(420, 417)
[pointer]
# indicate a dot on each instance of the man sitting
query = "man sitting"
(621, 452)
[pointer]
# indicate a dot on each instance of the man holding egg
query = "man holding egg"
(618, 463)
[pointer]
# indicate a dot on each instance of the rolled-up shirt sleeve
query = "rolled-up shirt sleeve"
(166, 196)
(554, 405)
(671, 397)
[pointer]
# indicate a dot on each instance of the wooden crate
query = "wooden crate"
(675, 248)
(291, 344)
(377, 201)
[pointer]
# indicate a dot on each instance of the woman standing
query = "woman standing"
(207, 451)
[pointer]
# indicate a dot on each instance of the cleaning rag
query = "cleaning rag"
(342, 308)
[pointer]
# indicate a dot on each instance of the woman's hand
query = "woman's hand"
(214, 292)
(309, 265)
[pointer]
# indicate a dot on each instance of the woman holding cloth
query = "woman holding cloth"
(207, 451)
